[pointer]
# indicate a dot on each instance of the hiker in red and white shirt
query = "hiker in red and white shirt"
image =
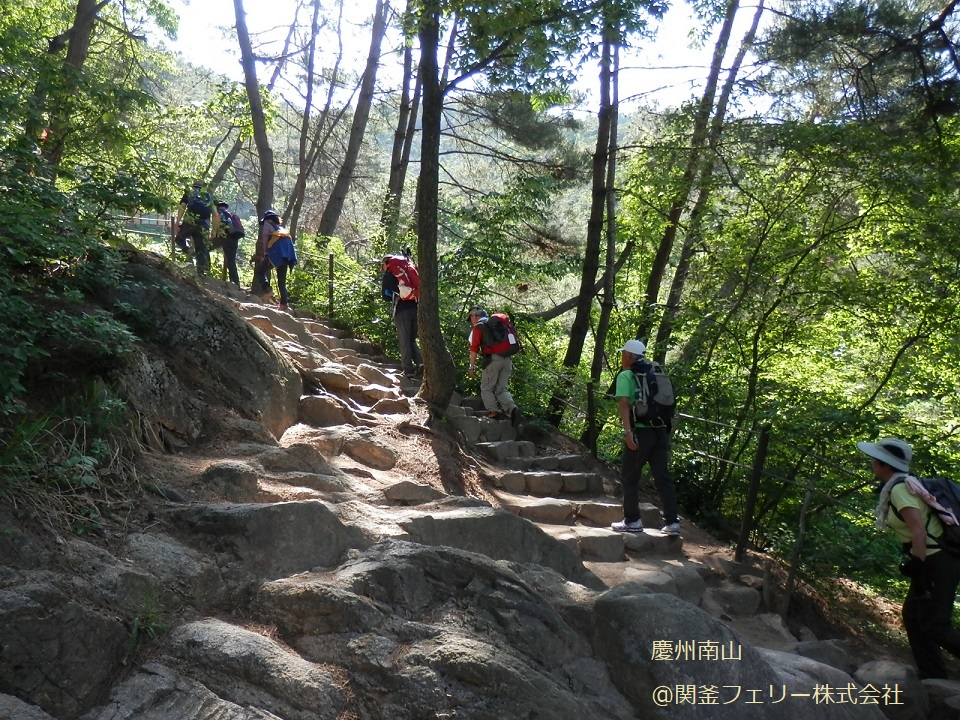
(403, 298)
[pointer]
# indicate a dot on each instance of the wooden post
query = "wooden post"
(795, 555)
(591, 420)
(173, 237)
(746, 522)
(330, 287)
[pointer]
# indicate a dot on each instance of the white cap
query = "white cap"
(895, 453)
(634, 347)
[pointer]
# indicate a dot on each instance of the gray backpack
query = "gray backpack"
(656, 404)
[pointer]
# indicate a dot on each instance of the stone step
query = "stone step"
(480, 430)
(551, 483)
(551, 511)
(589, 543)
(507, 449)
(597, 513)
(471, 403)
(603, 545)
(603, 512)
(576, 463)
(361, 346)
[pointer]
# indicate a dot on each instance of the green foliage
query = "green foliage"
(65, 465)
(537, 46)
(148, 621)
(77, 146)
(356, 288)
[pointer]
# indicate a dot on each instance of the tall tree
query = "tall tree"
(244, 128)
(331, 213)
(292, 212)
(439, 370)
(260, 136)
(607, 299)
(693, 235)
(595, 223)
(402, 139)
(517, 46)
(77, 40)
(698, 142)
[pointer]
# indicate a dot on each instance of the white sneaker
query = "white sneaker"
(630, 527)
(671, 529)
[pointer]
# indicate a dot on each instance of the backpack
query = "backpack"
(408, 278)
(199, 203)
(500, 337)
(947, 494)
(280, 249)
(656, 403)
(234, 226)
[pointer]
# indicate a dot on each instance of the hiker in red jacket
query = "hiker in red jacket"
(934, 573)
(496, 367)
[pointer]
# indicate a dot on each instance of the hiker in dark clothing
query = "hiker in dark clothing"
(228, 241)
(197, 221)
(934, 573)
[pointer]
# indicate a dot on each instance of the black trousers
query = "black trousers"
(262, 274)
(229, 247)
(927, 620)
(405, 320)
(653, 446)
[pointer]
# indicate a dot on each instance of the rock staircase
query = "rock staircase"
(314, 551)
(572, 497)
(565, 500)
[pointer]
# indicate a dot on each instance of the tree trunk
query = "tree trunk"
(402, 137)
(679, 202)
(77, 41)
(591, 253)
(299, 186)
(221, 172)
(262, 141)
(438, 378)
(324, 127)
(665, 330)
(331, 213)
(227, 162)
(609, 277)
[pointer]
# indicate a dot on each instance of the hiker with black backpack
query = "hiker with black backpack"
(400, 286)
(494, 338)
(197, 221)
(646, 406)
(908, 509)
(227, 238)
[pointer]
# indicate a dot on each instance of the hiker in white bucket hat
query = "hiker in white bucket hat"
(934, 573)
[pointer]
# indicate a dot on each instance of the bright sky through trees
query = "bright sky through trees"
(667, 72)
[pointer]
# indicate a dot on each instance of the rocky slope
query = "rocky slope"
(307, 548)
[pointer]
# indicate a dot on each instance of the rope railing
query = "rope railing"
(147, 233)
